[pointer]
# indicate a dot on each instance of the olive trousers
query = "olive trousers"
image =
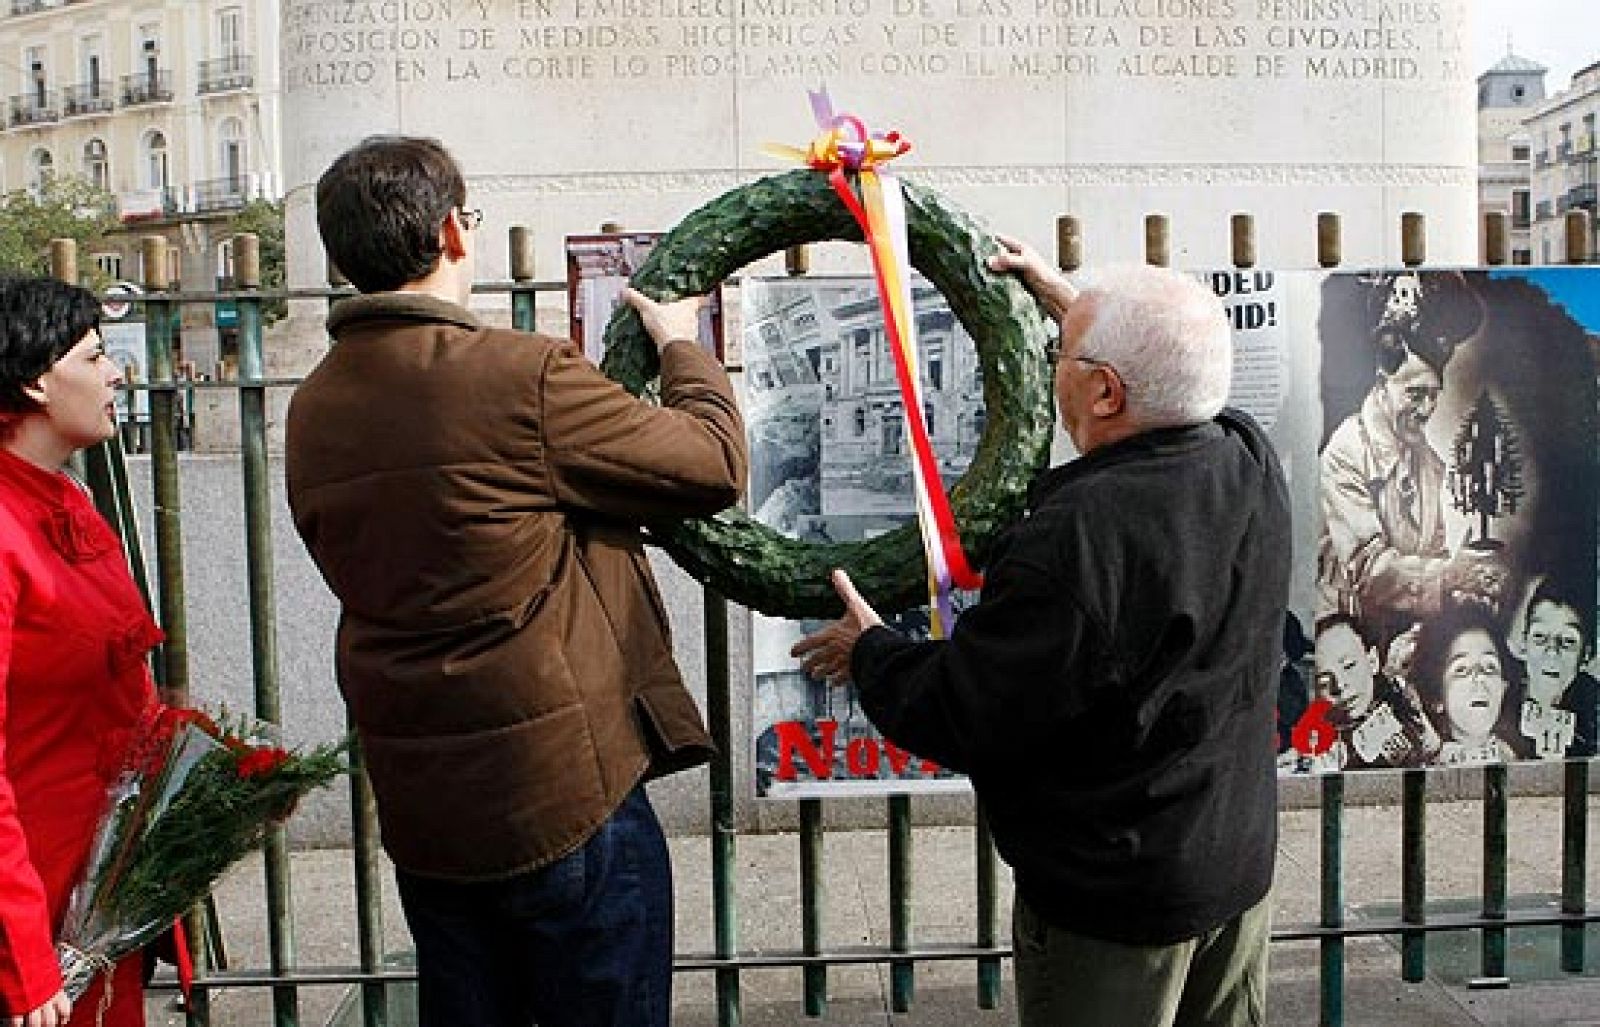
(1068, 980)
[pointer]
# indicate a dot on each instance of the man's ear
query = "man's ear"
(1111, 397)
(452, 237)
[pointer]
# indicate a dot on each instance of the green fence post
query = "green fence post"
(988, 914)
(813, 900)
(902, 972)
(522, 308)
(263, 627)
(1331, 983)
(723, 836)
(1574, 857)
(1493, 939)
(1413, 873)
(168, 513)
(164, 471)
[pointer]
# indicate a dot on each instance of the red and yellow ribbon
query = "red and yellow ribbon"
(843, 147)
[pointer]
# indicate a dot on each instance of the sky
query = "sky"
(1562, 35)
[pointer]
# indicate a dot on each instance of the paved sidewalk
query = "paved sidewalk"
(943, 910)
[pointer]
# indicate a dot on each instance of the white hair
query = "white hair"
(1168, 338)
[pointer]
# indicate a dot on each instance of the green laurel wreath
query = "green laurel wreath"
(751, 563)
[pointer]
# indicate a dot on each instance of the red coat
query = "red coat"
(73, 637)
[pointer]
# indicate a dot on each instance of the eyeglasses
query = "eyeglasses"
(1561, 644)
(1052, 353)
(470, 219)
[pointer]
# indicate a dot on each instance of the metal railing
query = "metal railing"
(223, 74)
(147, 87)
(30, 6)
(221, 194)
(1412, 921)
(35, 108)
(87, 98)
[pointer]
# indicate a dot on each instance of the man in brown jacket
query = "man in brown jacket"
(472, 495)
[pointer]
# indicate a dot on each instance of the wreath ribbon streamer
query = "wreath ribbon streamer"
(843, 147)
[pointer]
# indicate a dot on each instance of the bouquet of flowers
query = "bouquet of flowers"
(193, 798)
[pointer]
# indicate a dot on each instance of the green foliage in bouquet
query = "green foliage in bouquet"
(195, 798)
(232, 795)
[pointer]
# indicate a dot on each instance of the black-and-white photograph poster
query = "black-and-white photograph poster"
(1453, 615)
(830, 460)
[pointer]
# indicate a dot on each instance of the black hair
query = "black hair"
(1328, 621)
(40, 320)
(1435, 639)
(380, 207)
(1561, 593)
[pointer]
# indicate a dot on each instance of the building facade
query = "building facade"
(1507, 94)
(1561, 132)
(171, 105)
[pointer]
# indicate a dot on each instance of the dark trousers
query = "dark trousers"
(586, 940)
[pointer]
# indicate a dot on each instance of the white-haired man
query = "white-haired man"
(1112, 693)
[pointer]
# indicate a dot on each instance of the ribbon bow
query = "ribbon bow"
(841, 148)
(842, 142)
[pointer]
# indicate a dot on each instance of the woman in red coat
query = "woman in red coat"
(73, 638)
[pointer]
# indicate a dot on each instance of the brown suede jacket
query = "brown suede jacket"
(472, 496)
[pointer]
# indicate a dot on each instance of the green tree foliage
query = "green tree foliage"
(264, 219)
(66, 208)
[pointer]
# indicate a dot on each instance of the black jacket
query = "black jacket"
(1112, 694)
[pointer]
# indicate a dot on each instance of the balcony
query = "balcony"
(1542, 212)
(221, 194)
(35, 108)
(30, 6)
(87, 98)
(146, 204)
(146, 88)
(1582, 196)
(226, 74)
(1541, 159)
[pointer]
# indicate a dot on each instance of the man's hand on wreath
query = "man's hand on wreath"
(826, 654)
(1046, 282)
(677, 321)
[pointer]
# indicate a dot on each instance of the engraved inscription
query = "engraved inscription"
(332, 45)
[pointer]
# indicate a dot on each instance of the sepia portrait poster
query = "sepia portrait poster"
(1452, 615)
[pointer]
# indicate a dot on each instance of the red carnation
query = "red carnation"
(262, 762)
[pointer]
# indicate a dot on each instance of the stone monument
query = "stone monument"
(569, 113)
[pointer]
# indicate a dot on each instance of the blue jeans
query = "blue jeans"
(586, 940)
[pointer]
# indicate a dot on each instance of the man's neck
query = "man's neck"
(441, 285)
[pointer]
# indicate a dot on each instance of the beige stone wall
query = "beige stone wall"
(567, 113)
